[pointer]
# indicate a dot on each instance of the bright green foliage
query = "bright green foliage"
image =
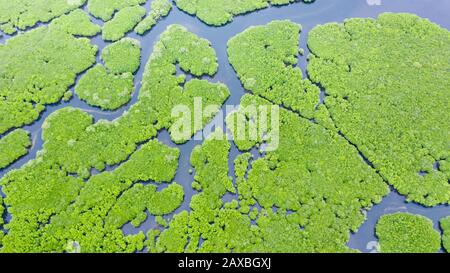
(35, 193)
(67, 96)
(124, 21)
(133, 203)
(327, 195)
(106, 90)
(90, 213)
(162, 89)
(122, 56)
(57, 201)
(23, 14)
(161, 221)
(173, 239)
(241, 164)
(166, 201)
(111, 87)
(221, 12)
(407, 233)
(36, 69)
(213, 176)
(2, 221)
(265, 59)
(222, 229)
(114, 141)
(76, 23)
(105, 9)
(72, 146)
(445, 226)
(325, 198)
(241, 167)
(13, 146)
(159, 9)
(389, 99)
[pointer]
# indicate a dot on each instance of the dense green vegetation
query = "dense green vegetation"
(90, 213)
(2, 221)
(265, 59)
(407, 233)
(145, 117)
(2, 211)
(127, 15)
(445, 226)
(76, 23)
(159, 9)
(13, 146)
(37, 68)
(211, 163)
(163, 89)
(110, 87)
(326, 197)
(389, 99)
(122, 56)
(124, 21)
(221, 12)
(324, 204)
(221, 227)
(105, 9)
(106, 90)
(383, 121)
(19, 14)
(58, 200)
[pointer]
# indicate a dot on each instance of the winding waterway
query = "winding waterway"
(309, 16)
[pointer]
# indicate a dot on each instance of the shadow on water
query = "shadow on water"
(309, 16)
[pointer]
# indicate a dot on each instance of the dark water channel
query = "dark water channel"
(308, 15)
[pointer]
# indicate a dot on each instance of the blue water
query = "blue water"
(309, 16)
